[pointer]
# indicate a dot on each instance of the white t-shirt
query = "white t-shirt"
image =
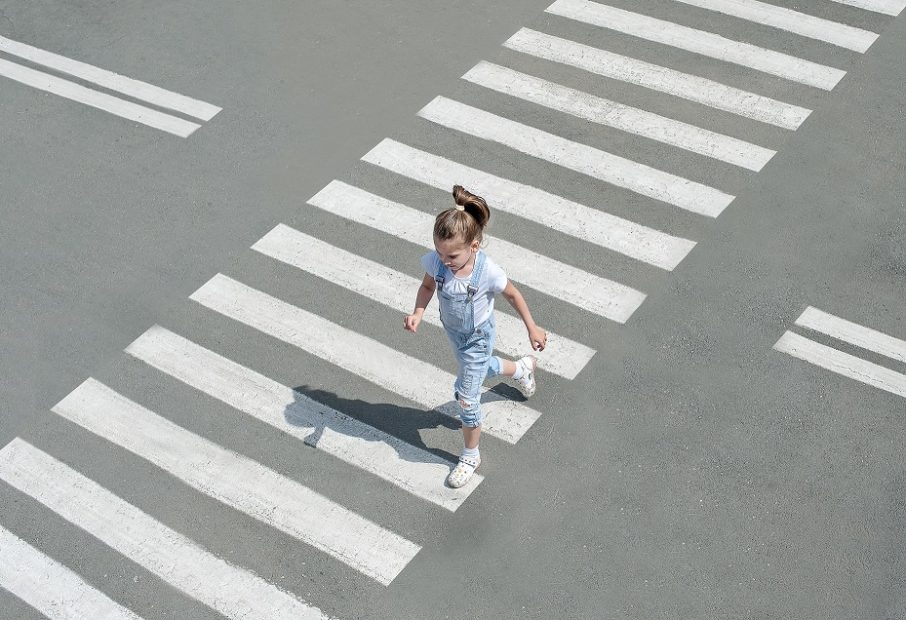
(493, 281)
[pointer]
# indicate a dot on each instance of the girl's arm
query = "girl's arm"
(537, 336)
(424, 295)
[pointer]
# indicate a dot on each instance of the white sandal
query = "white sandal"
(463, 471)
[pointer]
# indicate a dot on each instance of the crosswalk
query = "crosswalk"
(840, 362)
(265, 311)
(109, 81)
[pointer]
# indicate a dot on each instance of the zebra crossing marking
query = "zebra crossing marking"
(842, 363)
(388, 368)
(561, 356)
(136, 89)
(699, 42)
(51, 588)
(232, 591)
(841, 35)
(853, 333)
(414, 470)
(639, 178)
(111, 81)
(655, 77)
(887, 7)
(239, 482)
(623, 117)
(598, 227)
(99, 100)
(604, 297)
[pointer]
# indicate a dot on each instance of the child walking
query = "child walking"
(466, 281)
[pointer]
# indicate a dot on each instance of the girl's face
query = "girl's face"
(455, 253)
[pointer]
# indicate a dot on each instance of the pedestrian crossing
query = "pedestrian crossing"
(840, 362)
(598, 164)
(291, 412)
(109, 81)
(563, 356)
(598, 110)
(699, 42)
(887, 7)
(658, 78)
(598, 295)
(848, 37)
(49, 587)
(379, 203)
(634, 240)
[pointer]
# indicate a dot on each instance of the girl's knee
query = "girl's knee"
(470, 413)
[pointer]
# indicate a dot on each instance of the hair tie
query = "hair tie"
(460, 208)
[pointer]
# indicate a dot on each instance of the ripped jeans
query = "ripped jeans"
(473, 353)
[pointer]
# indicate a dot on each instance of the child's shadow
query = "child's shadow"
(326, 411)
(356, 418)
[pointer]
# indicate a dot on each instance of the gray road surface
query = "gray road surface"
(689, 471)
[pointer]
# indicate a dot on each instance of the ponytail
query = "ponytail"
(467, 220)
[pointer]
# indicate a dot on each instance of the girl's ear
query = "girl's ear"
(475, 245)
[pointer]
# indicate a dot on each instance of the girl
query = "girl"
(466, 281)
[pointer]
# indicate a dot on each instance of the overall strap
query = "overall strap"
(477, 270)
(439, 269)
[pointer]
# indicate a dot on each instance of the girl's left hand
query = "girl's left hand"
(538, 338)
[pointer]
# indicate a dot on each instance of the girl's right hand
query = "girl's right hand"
(411, 322)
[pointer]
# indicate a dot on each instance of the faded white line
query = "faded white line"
(809, 26)
(603, 297)
(112, 81)
(853, 333)
(413, 469)
(699, 42)
(622, 117)
(234, 592)
(240, 482)
(561, 356)
(655, 77)
(99, 100)
(50, 587)
(619, 171)
(842, 363)
(887, 7)
(598, 227)
(388, 368)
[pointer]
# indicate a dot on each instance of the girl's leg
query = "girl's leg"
(507, 368)
(521, 371)
(474, 358)
(470, 436)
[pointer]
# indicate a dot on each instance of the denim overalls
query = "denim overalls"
(471, 344)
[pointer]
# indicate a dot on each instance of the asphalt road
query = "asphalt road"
(689, 471)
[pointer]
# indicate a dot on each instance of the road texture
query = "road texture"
(689, 471)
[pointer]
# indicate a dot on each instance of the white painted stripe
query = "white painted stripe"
(853, 333)
(102, 101)
(234, 592)
(240, 482)
(699, 42)
(644, 180)
(112, 81)
(655, 77)
(887, 7)
(397, 372)
(842, 363)
(561, 356)
(809, 26)
(580, 288)
(417, 471)
(622, 117)
(50, 587)
(609, 231)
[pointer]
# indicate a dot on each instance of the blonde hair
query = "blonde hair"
(466, 221)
